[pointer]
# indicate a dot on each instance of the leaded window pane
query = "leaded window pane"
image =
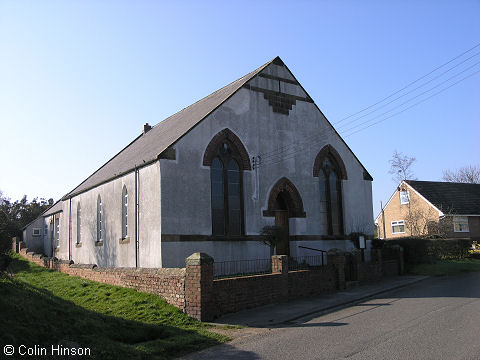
(234, 214)
(218, 216)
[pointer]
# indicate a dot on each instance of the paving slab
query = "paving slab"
(281, 313)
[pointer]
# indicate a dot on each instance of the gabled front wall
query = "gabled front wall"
(115, 251)
(32, 241)
(417, 211)
(186, 195)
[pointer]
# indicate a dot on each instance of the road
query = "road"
(438, 318)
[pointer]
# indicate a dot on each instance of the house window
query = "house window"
(36, 232)
(79, 224)
(398, 227)
(404, 197)
(226, 186)
(331, 197)
(45, 229)
(460, 224)
(99, 219)
(57, 232)
(124, 212)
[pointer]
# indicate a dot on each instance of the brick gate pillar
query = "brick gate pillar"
(280, 266)
(336, 258)
(199, 286)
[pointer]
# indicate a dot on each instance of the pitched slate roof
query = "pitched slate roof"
(146, 148)
(55, 208)
(455, 198)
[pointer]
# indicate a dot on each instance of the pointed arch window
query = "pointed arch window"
(227, 193)
(124, 212)
(99, 219)
(331, 197)
(79, 224)
(330, 170)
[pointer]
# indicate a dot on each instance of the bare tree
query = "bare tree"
(400, 167)
(467, 174)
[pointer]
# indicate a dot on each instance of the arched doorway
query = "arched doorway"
(284, 203)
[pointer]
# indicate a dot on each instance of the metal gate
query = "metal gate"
(350, 273)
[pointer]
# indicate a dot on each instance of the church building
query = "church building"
(256, 153)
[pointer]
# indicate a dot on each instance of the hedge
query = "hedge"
(418, 251)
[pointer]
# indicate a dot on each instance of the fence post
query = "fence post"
(199, 286)
(336, 258)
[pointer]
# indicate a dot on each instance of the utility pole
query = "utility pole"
(383, 220)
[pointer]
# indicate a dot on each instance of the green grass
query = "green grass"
(446, 267)
(42, 307)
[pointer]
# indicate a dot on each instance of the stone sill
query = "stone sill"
(78, 245)
(124, 240)
(98, 243)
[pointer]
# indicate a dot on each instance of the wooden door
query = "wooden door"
(281, 220)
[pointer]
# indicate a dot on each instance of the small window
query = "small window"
(36, 232)
(57, 232)
(99, 219)
(398, 227)
(45, 229)
(460, 224)
(404, 197)
(79, 224)
(124, 213)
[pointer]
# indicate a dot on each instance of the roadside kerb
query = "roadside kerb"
(282, 313)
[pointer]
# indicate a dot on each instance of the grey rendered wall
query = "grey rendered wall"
(114, 252)
(149, 222)
(186, 182)
(34, 243)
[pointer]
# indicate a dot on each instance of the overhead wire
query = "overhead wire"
(409, 84)
(409, 92)
(289, 151)
(415, 104)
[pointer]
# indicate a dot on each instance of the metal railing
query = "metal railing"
(306, 262)
(227, 269)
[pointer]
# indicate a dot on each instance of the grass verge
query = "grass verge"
(43, 307)
(446, 267)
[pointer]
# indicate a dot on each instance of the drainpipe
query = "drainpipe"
(70, 230)
(136, 219)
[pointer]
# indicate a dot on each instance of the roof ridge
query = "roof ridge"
(243, 79)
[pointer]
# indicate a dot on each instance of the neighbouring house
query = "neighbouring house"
(418, 208)
(258, 152)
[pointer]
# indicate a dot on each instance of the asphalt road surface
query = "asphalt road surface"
(438, 318)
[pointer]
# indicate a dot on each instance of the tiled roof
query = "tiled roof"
(455, 198)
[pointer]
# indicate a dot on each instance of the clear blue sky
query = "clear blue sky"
(78, 79)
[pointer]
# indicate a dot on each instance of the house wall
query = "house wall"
(473, 227)
(115, 251)
(34, 242)
(419, 210)
(185, 186)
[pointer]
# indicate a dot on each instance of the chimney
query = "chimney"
(146, 128)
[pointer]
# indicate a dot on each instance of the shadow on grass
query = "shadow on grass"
(35, 316)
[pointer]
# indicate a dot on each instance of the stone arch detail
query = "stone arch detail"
(330, 152)
(293, 198)
(237, 145)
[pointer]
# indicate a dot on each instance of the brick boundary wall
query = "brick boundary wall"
(166, 283)
(193, 289)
